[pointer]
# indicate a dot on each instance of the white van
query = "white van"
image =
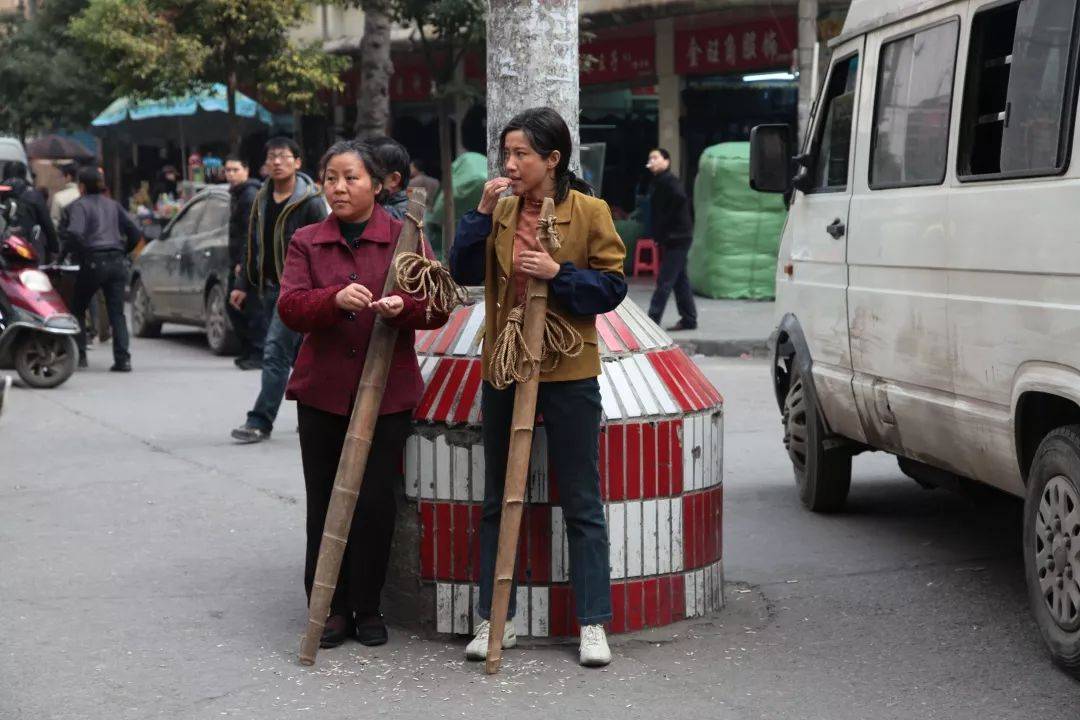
(928, 279)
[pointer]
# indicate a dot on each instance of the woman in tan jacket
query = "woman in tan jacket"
(496, 245)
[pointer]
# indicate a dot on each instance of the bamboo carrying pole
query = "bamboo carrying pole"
(517, 462)
(354, 454)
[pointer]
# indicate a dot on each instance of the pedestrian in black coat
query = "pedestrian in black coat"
(673, 231)
(249, 321)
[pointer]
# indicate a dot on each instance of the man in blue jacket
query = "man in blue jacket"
(288, 201)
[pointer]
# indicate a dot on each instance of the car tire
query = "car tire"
(43, 360)
(822, 474)
(220, 335)
(1052, 544)
(142, 312)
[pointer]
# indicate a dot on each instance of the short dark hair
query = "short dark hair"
(420, 164)
(392, 155)
(70, 170)
(283, 143)
(91, 179)
(237, 159)
(362, 150)
(663, 153)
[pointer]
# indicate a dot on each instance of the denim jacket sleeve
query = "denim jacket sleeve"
(470, 246)
(600, 287)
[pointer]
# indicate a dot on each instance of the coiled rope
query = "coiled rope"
(511, 360)
(428, 279)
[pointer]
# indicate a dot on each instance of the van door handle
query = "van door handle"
(836, 229)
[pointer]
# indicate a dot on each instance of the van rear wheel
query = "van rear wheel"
(822, 475)
(1052, 544)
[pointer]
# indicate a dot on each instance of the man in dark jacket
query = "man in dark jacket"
(31, 212)
(249, 322)
(673, 231)
(101, 234)
(288, 201)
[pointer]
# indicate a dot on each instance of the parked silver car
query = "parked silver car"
(182, 276)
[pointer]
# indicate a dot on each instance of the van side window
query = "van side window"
(188, 223)
(911, 113)
(1018, 94)
(830, 168)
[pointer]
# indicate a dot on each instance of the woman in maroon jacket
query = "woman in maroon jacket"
(333, 275)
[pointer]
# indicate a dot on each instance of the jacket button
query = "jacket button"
(355, 244)
(350, 316)
(352, 352)
(353, 277)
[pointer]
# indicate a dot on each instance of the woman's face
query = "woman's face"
(349, 188)
(525, 167)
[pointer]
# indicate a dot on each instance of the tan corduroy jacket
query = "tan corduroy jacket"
(588, 239)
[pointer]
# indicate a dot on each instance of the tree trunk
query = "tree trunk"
(808, 14)
(234, 121)
(373, 99)
(532, 60)
(446, 159)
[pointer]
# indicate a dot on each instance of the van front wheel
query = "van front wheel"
(1052, 544)
(822, 475)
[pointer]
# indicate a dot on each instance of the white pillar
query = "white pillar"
(808, 16)
(669, 94)
(532, 60)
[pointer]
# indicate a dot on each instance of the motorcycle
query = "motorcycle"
(37, 333)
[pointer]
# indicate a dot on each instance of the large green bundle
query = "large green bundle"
(736, 229)
(470, 174)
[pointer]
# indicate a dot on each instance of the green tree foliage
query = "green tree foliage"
(446, 30)
(154, 48)
(45, 82)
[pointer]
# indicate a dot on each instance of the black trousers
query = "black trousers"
(673, 277)
(249, 323)
(363, 569)
(109, 273)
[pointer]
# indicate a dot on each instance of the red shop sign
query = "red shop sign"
(411, 80)
(736, 48)
(619, 59)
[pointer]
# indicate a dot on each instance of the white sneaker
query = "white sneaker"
(478, 646)
(594, 650)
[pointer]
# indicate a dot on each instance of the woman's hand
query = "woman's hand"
(353, 297)
(492, 190)
(389, 306)
(537, 264)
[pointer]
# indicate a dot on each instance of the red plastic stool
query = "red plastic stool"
(653, 263)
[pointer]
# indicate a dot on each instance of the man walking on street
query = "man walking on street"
(65, 195)
(101, 233)
(673, 232)
(248, 322)
(286, 203)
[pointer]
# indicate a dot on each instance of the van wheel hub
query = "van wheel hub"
(1057, 556)
(795, 424)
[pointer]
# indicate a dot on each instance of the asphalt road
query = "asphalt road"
(149, 568)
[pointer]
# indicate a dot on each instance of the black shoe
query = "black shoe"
(248, 363)
(247, 434)
(335, 632)
(371, 630)
(122, 366)
(82, 361)
(682, 326)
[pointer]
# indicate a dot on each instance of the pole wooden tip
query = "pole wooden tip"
(491, 665)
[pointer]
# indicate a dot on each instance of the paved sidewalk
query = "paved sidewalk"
(727, 328)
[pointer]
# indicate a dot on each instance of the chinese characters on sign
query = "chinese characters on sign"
(735, 48)
(618, 59)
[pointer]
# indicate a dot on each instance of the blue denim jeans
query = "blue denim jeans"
(279, 355)
(572, 415)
